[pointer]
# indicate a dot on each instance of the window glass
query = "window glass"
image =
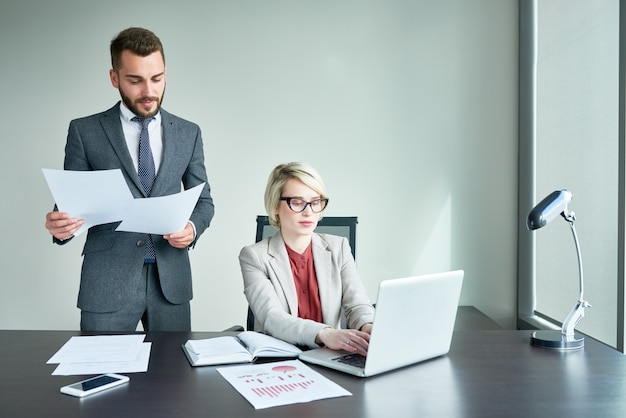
(577, 149)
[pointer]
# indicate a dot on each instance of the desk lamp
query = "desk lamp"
(549, 208)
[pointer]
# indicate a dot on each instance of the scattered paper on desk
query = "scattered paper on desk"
(102, 354)
(92, 348)
(281, 383)
(138, 365)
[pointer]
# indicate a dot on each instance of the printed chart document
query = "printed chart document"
(280, 383)
(243, 348)
(103, 196)
(102, 354)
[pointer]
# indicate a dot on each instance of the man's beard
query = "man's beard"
(136, 109)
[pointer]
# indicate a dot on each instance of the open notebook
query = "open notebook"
(414, 322)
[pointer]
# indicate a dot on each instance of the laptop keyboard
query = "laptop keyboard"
(355, 360)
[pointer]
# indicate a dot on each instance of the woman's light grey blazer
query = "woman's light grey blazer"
(271, 292)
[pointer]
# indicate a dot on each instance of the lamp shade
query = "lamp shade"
(549, 208)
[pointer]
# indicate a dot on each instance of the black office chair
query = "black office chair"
(344, 226)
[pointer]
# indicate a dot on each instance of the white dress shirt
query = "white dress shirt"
(131, 133)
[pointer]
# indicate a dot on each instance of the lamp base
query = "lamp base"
(555, 340)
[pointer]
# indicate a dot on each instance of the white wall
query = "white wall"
(407, 108)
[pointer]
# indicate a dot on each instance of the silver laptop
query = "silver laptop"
(414, 322)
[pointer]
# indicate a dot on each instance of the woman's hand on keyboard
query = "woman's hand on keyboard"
(350, 340)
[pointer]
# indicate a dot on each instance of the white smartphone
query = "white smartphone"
(94, 385)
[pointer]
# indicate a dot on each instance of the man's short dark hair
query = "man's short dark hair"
(139, 41)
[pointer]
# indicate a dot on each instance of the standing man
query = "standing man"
(130, 277)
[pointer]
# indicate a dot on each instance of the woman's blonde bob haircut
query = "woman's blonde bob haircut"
(279, 177)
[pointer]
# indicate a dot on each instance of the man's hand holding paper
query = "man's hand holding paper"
(182, 239)
(88, 198)
(62, 226)
(97, 197)
(161, 215)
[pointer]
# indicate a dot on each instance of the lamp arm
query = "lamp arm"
(575, 315)
(578, 311)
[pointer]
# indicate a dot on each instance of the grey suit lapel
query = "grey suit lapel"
(112, 127)
(170, 133)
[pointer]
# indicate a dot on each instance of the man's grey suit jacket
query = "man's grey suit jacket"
(113, 259)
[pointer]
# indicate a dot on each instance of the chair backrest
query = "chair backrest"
(344, 226)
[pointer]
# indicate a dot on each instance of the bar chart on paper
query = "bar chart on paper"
(282, 379)
(281, 383)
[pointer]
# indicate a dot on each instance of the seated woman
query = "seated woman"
(298, 281)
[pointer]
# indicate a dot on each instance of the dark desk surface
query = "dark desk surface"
(486, 373)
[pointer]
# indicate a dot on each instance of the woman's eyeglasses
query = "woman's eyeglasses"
(298, 205)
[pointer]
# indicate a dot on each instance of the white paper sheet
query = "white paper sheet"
(98, 197)
(161, 215)
(103, 196)
(99, 348)
(280, 383)
(138, 365)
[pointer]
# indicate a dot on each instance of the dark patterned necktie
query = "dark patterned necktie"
(146, 169)
(146, 172)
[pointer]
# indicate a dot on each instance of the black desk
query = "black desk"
(486, 373)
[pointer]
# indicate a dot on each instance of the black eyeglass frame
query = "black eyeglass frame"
(288, 200)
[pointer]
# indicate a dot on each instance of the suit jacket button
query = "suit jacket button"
(140, 243)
